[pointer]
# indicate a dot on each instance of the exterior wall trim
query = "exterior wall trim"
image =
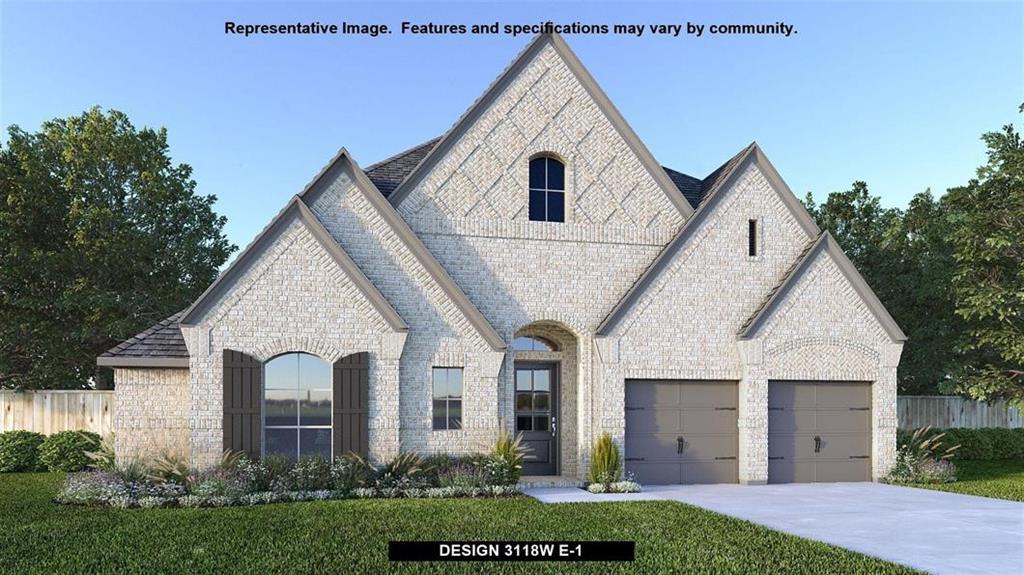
(827, 244)
(169, 362)
(297, 208)
(497, 87)
(752, 155)
(343, 162)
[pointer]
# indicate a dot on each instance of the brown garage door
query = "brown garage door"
(681, 431)
(819, 431)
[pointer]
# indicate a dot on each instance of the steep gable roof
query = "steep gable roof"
(825, 244)
(162, 345)
(295, 209)
(498, 87)
(720, 179)
(388, 173)
(343, 162)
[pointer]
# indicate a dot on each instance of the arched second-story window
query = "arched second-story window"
(547, 190)
(297, 406)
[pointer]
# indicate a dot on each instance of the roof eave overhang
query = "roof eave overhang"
(144, 362)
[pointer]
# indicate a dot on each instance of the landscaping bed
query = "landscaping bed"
(352, 536)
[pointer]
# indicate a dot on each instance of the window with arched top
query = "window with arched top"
(297, 406)
(547, 190)
(533, 343)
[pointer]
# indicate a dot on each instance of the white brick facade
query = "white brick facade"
(563, 281)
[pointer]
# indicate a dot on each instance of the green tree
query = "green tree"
(988, 245)
(906, 258)
(101, 235)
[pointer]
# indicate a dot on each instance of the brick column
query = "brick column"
(752, 416)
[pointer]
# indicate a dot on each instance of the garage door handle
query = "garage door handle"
(817, 444)
(680, 444)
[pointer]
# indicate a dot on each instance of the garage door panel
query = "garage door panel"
(708, 447)
(654, 420)
(722, 471)
(712, 394)
(792, 420)
(707, 420)
(791, 446)
(652, 473)
(844, 470)
(787, 471)
(790, 395)
(648, 393)
(842, 446)
(844, 421)
(844, 395)
(652, 446)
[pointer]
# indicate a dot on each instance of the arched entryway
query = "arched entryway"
(544, 397)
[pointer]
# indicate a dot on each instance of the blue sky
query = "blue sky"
(895, 94)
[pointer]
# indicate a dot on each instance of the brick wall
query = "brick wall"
(152, 412)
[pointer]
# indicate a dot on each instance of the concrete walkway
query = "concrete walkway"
(933, 531)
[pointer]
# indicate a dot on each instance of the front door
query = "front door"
(536, 405)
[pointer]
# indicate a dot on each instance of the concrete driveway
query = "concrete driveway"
(933, 531)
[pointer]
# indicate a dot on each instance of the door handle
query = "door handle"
(680, 444)
(554, 425)
(817, 444)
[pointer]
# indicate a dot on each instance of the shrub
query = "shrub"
(66, 450)
(103, 458)
(936, 471)
(348, 473)
(605, 465)
(310, 474)
(170, 467)
(402, 471)
(980, 444)
(19, 451)
(464, 475)
(505, 463)
(276, 470)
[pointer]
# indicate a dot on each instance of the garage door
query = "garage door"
(681, 431)
(819, 431)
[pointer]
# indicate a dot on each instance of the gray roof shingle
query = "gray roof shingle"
(164, 340)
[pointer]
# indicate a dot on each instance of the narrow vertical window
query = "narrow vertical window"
(447, 407)
(547, 190)
(752, 238)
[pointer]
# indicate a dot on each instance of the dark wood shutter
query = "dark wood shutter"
(351, 404)
(243, 399)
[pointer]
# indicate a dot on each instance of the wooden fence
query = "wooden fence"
(942, 411)
(51, 411)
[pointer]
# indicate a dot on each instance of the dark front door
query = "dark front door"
(536, 403)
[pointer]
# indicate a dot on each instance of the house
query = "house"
(535, 269)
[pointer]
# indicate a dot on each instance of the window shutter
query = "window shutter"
(243, 399)
(351, 404)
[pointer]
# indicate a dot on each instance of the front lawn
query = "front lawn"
(38, 536)
(1001, 479)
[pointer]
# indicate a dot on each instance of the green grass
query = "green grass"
(1002, 479)
(38, 536)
